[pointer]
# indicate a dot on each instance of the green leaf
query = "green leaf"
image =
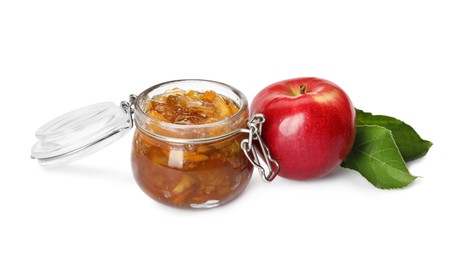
(375, 155)
(410, 144)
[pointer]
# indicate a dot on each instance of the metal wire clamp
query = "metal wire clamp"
(251, 151)
(128, 109)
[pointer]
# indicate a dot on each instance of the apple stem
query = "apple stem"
(298, 91)
(303, 89)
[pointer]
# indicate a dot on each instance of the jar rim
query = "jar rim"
(243, 105)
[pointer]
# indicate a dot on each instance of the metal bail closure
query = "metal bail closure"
(82, 132)
(249, 148)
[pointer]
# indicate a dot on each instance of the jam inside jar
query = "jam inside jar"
(191, 165)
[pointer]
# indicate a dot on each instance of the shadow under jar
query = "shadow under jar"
(191, 166)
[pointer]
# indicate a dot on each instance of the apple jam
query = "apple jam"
(185, 152)
(190, 107)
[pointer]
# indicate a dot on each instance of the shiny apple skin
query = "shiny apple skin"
(308, 134)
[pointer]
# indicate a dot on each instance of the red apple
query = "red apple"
(309, 126)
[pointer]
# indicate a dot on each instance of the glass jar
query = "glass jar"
(186, 166)
(191, 166)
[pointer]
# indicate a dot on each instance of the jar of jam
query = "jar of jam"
(194, 146)
(185, 164)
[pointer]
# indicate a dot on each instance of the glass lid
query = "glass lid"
(81, 132)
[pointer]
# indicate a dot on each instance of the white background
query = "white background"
(391, 57)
